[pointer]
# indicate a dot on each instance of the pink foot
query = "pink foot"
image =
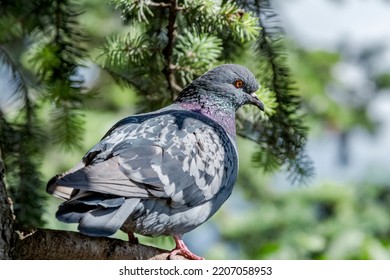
(181, 249)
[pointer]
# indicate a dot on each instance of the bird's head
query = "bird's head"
(231, 85)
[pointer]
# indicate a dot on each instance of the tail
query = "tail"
(97, 214)
(100, 199)
(60, 191)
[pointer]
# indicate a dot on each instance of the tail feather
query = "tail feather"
(104, 177)
(60, 191)
(97, 216)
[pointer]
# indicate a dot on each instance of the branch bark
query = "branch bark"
(6, 219)
(169, 70)
(46, 244)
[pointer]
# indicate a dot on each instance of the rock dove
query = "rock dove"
(164, 172)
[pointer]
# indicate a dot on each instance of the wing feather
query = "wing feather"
(175, 155)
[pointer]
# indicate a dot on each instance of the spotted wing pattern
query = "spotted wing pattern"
(180, 157)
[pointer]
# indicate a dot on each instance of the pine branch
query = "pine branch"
(188, 49)
(56, 57)
(196, 54)
(8, 34)
(21, 152)
(20, 137)
(289, 134)
(282, 139)
(179, 59)
(137, 54)
(19, 18)
(169, 69)
(69, 125)
(225, 18)
(39, 244)
(243, 24)
(133, 50)
(139, 9)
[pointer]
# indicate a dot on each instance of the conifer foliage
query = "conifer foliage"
(50, 32)
(183, 39)
(167, 44)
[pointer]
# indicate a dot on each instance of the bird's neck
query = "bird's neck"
(220, 113)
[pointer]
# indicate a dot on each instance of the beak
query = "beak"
(256, 101)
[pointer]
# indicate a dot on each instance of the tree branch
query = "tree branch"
(6, 219)
(169, 69)
(43, 244)
(159, 4)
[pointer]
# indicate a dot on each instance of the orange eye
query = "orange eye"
(238, 84)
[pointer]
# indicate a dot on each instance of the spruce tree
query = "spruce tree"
(168, 44)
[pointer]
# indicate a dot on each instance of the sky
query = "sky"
(6, 90)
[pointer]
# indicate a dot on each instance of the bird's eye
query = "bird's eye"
(239, 84)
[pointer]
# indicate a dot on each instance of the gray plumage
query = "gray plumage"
(165, 172)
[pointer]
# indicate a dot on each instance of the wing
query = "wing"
(179, 156)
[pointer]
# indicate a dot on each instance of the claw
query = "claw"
(181, 249)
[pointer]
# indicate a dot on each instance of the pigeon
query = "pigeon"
(165, 172)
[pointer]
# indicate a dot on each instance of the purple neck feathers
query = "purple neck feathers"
(225, 118)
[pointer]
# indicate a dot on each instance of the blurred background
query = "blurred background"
(338, 52)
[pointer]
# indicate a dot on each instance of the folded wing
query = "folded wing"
(171, 156)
